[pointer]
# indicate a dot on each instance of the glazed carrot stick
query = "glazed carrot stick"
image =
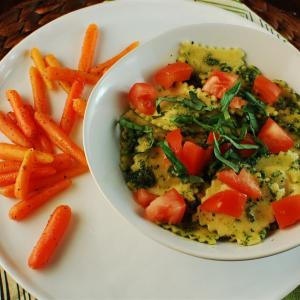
(43, 171)
(11, 115)
(50, 238)
(88, 48)
(15, 152)
(52, 61)
(12, 131)
(38, 91)
(22, 180)
(59, 176)
(25, 121)
(8, 191)
(62, 161)
(69, 116)
(59, 137)
(8, 178)
(40, 142)
(41, 65)
(9, 166)
(79, 106)
(100, 67)
(70, 75)
(23, 208)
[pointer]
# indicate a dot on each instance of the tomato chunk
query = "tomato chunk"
(237, 103)
(142, 97)
(193, 157)
(267, 90)
(229, 202)
(274, 137)
(219, 83)
(168, 208)
(243, 182)
(176, 72)
(248, 140)
(143, 197)
(287, 210)
(174, 139)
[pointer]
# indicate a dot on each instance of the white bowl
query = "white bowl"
(108, 101)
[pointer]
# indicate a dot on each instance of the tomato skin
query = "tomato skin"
(174, 139)
(249, 141)
(274, 137)
(219, 83)
(243, 182)
(176, 72)
(267, 90)
(287, 211)
(143, 197)
(142, 97)
(228, 202)
(237, 103)
(168, 208)
(193, 157)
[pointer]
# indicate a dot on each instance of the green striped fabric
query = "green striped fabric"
(10, 290)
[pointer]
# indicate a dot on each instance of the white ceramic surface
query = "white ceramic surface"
(104, 257)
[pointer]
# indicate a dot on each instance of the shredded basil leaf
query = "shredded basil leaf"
(239, 146)
(219, 156)
(179, 169)
(227, 98)
(255, 102)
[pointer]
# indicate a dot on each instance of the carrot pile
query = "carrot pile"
(42, 158)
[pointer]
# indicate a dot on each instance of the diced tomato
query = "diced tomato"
(142, 97)
(174, 139)
(143, 197)
(248, 140)
(168, 208)
(225, 147)
(237, 103)
(275, 138)
(287, 210)
(267, 90)
(228, 202)
(193, 157)
(219, 83)
(176, 72)
(243, 182)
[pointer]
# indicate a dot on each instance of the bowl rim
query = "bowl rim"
(157, 235)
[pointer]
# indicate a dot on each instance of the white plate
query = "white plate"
(103, 256)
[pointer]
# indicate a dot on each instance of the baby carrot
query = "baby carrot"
(51, 237)
(59, 176)
(107, 64)
(16, 152)
(52, 61)
(69, 116)
(43, 171)
(11, 115)
(9, 166)
(8, 191)
(70, 75)
(24, 119)
(12, 131)
(41, 65)
(38, 91)
(62, 161)
(22, 180)
(8, 178)
(79, 106)
(88, 48)
(23, 208)
(59, 137)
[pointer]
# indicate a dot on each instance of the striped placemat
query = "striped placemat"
(10, 290)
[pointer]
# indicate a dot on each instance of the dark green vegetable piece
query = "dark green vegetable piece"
(179, 169)
(227, 98)
(142, 178)
(239, 146)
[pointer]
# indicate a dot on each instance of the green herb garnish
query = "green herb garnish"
(227, 98)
